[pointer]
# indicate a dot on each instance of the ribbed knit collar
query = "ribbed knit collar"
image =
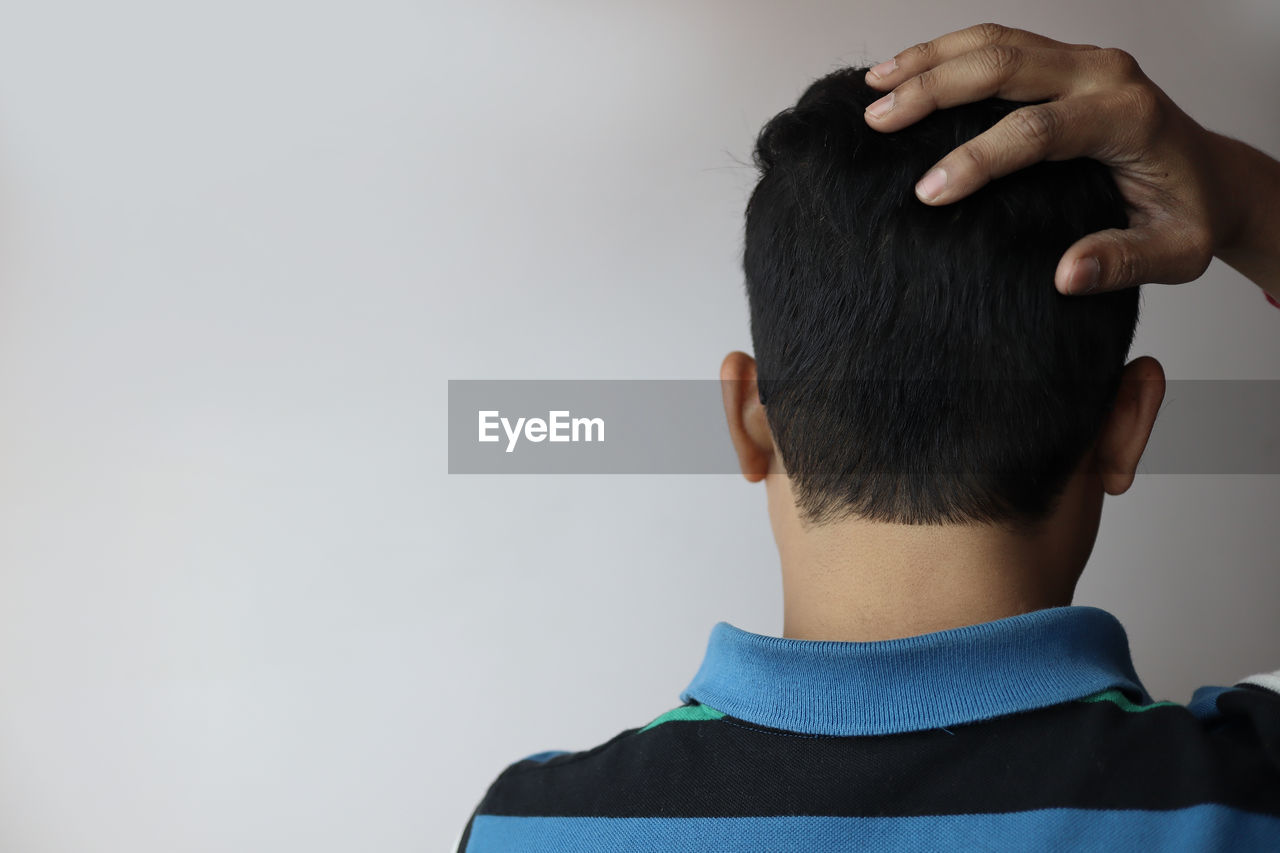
(946, 678)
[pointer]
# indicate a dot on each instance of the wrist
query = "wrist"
(1230, 189)
(1245, 186)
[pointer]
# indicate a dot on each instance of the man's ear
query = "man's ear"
(1124, 435)
(748, 426)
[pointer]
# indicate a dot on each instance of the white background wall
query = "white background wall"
(243, 245)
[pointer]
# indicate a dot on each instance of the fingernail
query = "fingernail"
(882, 106)
(1085, 274)
(884, 69)
(932, 184)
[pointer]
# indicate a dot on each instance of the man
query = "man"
(936, 426)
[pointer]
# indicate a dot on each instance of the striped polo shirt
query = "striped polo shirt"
(1026, 733)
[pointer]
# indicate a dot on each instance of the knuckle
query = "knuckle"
(922, 83)
(988, 31)
(925, 50)
(1140, 107)
(1002, 58)
(971, 158)
(1121, 62)
(1037, 125)
(1142, 101)
(1125, 269)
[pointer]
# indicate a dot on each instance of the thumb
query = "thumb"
(1117, 258)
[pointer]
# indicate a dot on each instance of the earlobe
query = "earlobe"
(1124, 436)
(748, 426)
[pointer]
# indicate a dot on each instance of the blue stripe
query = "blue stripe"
(976, 672)
(1195, 830)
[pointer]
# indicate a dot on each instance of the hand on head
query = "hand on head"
(1086, 101)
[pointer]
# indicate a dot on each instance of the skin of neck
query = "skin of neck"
(853, 579)
(862, 580)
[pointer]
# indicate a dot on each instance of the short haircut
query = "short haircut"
(916, 363)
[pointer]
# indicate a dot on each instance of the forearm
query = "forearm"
(1251, 184)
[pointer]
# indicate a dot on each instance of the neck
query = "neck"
(857, 580)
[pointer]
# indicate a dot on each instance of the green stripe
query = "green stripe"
(1123, 702)
(686, 713)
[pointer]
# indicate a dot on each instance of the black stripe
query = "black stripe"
(1091, 755)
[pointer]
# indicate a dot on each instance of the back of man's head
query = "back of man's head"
(916, 363)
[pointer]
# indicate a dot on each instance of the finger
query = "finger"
(926, 55)
(1127, 257)
(1004, 71)
(1056, 130)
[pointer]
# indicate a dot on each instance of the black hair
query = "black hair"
(916, 363)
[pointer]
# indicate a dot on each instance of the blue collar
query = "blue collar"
(929, 681)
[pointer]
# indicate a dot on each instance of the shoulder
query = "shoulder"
(562, 782)
(494, 792)
(1244, 718)
(605, 780)
(1255, 699)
